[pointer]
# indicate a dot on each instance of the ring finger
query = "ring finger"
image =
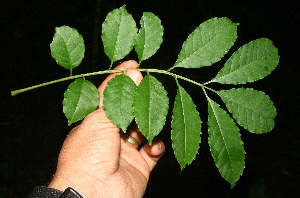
(134, 136)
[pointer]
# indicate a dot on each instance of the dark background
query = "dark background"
(33, 127)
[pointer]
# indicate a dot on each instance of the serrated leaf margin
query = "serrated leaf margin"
(235, 71)
(120, 114)
(141, 43)
(62, 39)
(118, 50)
(85, 91)
(233, 175)
(145, 106)
(234, 100)
(198, 33)
(182, 100)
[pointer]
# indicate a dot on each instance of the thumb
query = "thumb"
(132, 72)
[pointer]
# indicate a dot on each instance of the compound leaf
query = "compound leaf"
(118, 100)
(208, 43)
(150, 36)
(225, 143)
(250, 108)
(80, 99)
(151, 105)
(67, 47)
(118, 34)
(249, 63)
(186, 128)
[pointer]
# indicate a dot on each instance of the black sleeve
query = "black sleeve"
(44, 192)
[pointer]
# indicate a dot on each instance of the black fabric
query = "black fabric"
(44, 192)
(70, 193)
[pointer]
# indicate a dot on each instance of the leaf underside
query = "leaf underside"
(118, 100)
(250, 108)
(67, 47)
(151, 105)
(118, 34)
(249, 63)
(150, 36)
(208, 43)
(186, 128)
(225, 143)
(80, 99)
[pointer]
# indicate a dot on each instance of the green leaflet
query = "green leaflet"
(249, 63)
(150, 36)
(208, 43)
(118, 34)
(151, 105)
(225, 143)
(80, 99)
(186, 128)
(67, 47)
(118, 100)
(250, 108)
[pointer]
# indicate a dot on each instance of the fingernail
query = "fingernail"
(134, 75)
(158, 146)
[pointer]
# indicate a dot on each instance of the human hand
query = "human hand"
(97, 160)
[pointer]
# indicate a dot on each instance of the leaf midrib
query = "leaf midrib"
(231, 168)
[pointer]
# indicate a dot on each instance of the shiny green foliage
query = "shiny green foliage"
(67, 47)
(208, 43)
(225, 143)
(150, 36)
(251, 62)
(148, 104)
(118, 34)
(186, 128)
(151, 105)
(250, 108)
(80, 99)
(118, 100)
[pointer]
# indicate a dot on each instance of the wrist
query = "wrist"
(84, 185)
(61, 183)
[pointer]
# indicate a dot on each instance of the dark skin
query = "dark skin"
(97, 160)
